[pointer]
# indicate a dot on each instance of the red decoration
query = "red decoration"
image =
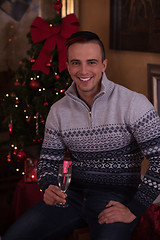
(42, 121)
(58, 6)
(48, 64)
(34, 84)
(9, 157)
(45, 104)
(30, 168)
(28, 119)
(21, 156)
(10, 129)
(57, 77)
(32, 60)
(41, 30)
(16, 83)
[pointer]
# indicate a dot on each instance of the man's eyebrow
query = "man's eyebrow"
(92, 60)
(75, 60)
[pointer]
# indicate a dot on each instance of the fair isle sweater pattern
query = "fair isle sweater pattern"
(107, 143)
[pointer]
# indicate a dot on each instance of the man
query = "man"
(108, 129)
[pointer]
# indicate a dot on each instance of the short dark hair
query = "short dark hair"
(85, 36)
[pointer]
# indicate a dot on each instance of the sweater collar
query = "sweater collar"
(106, 87)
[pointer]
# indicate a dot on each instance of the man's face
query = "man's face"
(86, 67)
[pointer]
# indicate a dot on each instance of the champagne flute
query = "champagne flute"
(64, 178)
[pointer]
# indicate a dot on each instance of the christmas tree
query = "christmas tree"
(40, 81)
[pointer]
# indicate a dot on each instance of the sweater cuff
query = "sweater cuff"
(136, 207)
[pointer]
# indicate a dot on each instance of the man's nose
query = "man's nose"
(83, 68)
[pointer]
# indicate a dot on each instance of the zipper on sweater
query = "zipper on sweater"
(90, 114)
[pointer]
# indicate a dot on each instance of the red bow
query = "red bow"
(41, 30)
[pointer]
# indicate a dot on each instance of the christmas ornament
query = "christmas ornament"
(45, 104)
(57, 77)
(32, 60)
(58, 6)
(9, 157)
(28, 119)
(42, 121)
(16, 83)
(34, 84)
(48, 64)
(11, 128)
(30, 168)
(21, 156)
(13, 94)
(53, 36)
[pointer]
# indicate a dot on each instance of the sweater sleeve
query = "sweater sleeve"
(145, 126)
(52, 152)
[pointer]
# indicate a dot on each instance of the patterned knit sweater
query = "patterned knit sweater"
(107, 143)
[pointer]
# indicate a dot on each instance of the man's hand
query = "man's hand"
(54, 195)
(115, 212)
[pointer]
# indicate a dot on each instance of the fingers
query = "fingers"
(115, 212)
(53, 195)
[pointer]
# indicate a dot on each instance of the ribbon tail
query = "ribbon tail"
(44, 57)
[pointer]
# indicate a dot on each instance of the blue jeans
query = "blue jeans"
(44, 222)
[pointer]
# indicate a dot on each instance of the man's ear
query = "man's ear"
(105, 65)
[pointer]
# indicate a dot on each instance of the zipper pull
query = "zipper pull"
(90, 113)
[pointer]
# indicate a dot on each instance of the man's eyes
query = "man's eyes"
(92, 62)
(75, 63)
(89, 62)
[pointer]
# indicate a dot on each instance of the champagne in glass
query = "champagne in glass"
(64, 178)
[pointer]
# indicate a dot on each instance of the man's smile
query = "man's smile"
(85, 79)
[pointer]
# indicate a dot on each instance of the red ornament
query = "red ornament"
(57, 77)
(9, 157)
(28, 119)
(45, 104)
(16, 83)
(21, 156)
(42, 121)
(48, 64)
(13, 94)
(58, 6)
(10, 129)
(32, 60)
(34, 84)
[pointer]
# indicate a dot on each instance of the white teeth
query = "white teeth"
(84, 79)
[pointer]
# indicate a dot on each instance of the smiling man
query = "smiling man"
(108, 130)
